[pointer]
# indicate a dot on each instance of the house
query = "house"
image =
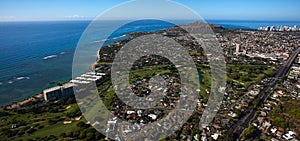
(203, 138)
(132, 116)
(290, 135)
(279, 132)
(231, 114)
(215, 136)
(266, 125)
(256, 123)
(153, 116)
(261, 120)
(139, 112)
(196, 137)
(273, 130)
(130, 112)
(263, 114)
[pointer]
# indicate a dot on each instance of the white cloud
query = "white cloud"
(7, 18)
(78, 17)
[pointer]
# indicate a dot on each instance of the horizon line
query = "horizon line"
(65, 20)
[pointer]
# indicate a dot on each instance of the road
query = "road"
(243, 123)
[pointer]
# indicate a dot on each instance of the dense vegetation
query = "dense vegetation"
(47, 123)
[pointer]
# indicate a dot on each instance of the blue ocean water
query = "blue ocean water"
(37, 55)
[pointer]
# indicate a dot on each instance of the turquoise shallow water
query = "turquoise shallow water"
(36, 55)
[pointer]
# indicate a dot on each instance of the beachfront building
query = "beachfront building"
(52, 93)
(88, 78)
(67, 90)
(58, 92)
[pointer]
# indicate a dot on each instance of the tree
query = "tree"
(82, 135)
(63, 135)
(280, 122)
(81, 124)
(90, 136)
(31, 130)
(251, 132)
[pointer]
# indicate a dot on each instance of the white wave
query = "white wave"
(15, 79)
(62, 53)
(104, 40)
(49, 57)
(97, 42)
(119, 37)
(100, 41)
(20, 78)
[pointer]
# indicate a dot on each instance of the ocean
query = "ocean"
(38, 55)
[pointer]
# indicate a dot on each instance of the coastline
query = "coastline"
(37, 97)
(19, 104)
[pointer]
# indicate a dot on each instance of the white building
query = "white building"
(58, 92)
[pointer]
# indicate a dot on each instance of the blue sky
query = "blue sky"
(27, 10)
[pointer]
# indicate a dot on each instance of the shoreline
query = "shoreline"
(37, 97)
(34, 98)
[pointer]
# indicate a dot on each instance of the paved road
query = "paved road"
(243, 123)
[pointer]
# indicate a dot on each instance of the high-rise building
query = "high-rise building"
(58, 92)
(237, 49)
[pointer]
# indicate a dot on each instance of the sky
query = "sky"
(35, 10)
